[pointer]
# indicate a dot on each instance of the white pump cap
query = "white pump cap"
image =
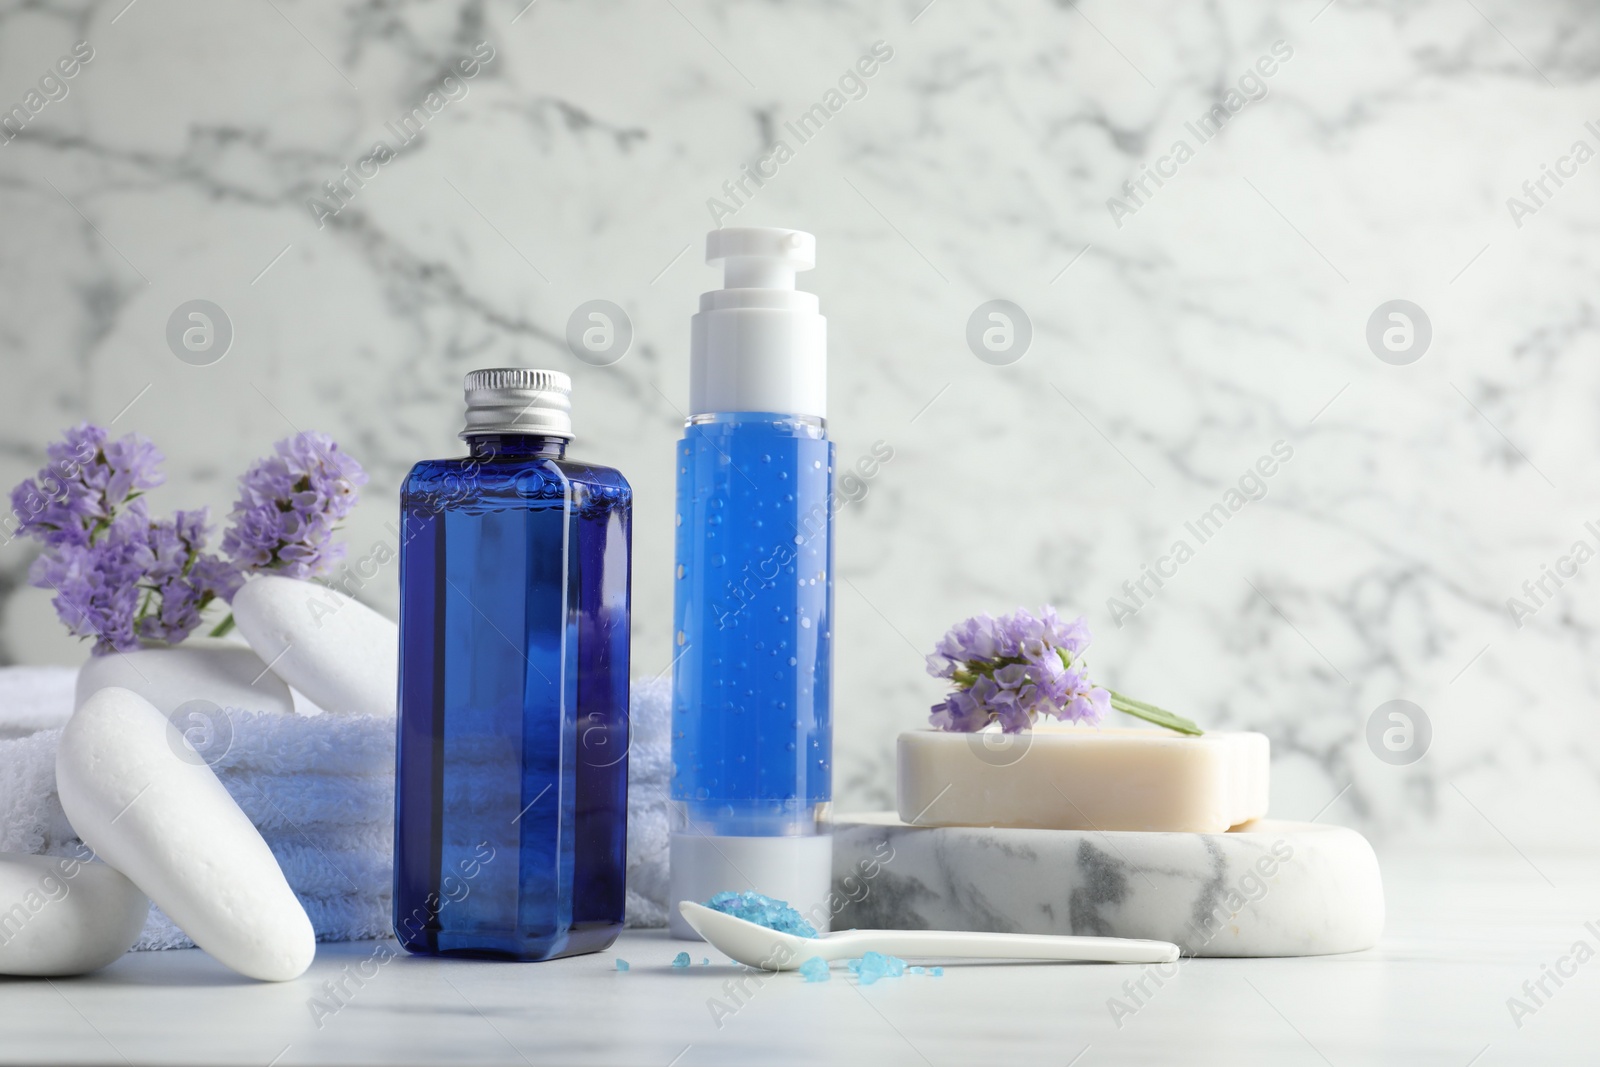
(759, 344)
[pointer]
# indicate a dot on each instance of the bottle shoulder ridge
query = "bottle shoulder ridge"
(424, 468)
(596, 474)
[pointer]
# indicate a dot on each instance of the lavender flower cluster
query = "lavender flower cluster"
(119, 576)
(1013, 669)
(289, 505)
(128, 580)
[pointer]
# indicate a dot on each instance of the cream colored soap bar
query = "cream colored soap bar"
(1083, 778)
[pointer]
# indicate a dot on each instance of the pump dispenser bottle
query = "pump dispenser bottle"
(751, 714)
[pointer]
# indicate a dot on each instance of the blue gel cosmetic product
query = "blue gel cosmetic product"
(512, 773)
(752, 736)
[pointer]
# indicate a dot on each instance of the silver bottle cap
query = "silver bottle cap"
(518, 400)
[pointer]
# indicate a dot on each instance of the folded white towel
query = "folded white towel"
(321, 791)
(34, 699)
(649, 779)
(358, 918)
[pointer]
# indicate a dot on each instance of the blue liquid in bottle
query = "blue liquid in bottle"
(752, 741)
(511, 784)
(752, 731)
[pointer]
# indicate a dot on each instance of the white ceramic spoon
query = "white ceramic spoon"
(756, 946)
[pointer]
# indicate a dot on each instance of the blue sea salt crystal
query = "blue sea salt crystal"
(815, 969)
(937, 972)
(875, 965)
(622, 964)
(919, 970)
(681, 960)
(705, 961)
(764, 911)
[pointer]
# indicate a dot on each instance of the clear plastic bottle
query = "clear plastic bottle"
(511, 785)
(752, 720)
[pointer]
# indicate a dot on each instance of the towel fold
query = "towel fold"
(303, 802)
(360, 918)
(327, 871)
(320, 789)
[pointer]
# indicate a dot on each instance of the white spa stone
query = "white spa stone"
(1083, 778)
(1270, 888)
(334, 649)
(164, 820)
(226, 673)
(62, 916)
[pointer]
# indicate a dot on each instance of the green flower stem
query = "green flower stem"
(1150, 713)
(221, 629)
(975, 669)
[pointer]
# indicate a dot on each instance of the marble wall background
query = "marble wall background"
(1226, 313)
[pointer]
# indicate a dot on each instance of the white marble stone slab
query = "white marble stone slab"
(1273, 888)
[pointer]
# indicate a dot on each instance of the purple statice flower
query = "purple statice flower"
(138, 582)
(985, 639)
(119, 577)
(77, 493)
(97, 585)
(1013, 669)
(183, 578)
(965, 711)
(289, 506)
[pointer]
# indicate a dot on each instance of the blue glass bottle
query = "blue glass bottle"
(511, 783)
(751, 703)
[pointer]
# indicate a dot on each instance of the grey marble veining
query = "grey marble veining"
(1273, 889)
(1170, 352)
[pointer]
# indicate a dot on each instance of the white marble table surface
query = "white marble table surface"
(1465, 932)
